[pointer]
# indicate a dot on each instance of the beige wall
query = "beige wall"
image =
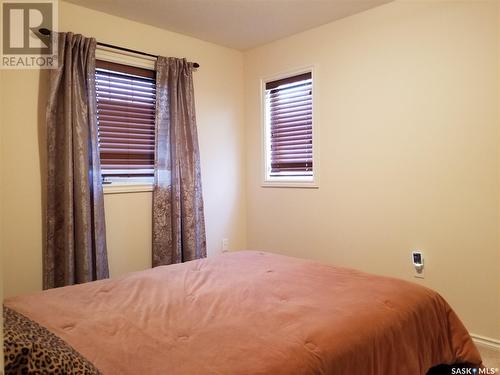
(407, 106)
(498, 106)
(408, 98)
(1, 221)
(498, 120)
(219, 102)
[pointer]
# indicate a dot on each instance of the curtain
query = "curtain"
(76, 245)
(178, 219)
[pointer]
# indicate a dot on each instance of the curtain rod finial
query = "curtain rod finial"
(44, 31)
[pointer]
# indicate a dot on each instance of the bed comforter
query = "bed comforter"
(241, 313)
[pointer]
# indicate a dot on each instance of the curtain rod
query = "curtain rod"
(45, 31)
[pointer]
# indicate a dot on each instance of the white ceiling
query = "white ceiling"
(239, 24)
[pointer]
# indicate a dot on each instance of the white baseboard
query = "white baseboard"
(488, 342)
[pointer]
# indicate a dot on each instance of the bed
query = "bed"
(240, 313)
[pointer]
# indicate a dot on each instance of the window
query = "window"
(126, 99)
(289, 153)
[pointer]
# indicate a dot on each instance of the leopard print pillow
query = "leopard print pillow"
(31, 349)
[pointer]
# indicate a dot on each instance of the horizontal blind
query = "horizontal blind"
(289, 103)
(126, 100)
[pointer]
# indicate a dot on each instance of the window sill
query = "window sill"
(289, 184)
(123, 188)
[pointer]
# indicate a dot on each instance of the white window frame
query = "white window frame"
(113, 185)
(288, 181)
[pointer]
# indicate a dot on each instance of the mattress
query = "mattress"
(246, 312)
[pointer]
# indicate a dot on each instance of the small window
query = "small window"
(289, 130)
(126, 100)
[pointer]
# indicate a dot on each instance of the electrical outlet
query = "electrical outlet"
(418, 264)
(225, 245)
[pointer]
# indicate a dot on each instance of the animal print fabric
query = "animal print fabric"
(31, 349)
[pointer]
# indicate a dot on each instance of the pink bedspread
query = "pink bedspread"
(253, 313)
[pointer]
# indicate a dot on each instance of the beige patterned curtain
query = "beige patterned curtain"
(178, 219)
(76, 240)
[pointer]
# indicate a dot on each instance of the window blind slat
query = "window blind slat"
(125, 97)
(285, 148)
(291, 99)
(124, 138)
(117, 149)
(279, 115)
(289, 96)
(120, 104)
(292, 153)
(288, 92)
(281, 106)
(126, 100)
(128, 133)
(278, 144)
(113, 135)
(112, 147)
(125, 126)
(129, 94)
(150, 115)
(288, 123)
(107, 82)
(304, 160)
(304, 134)
(126, 119)
(106, 79)
(287, 129)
